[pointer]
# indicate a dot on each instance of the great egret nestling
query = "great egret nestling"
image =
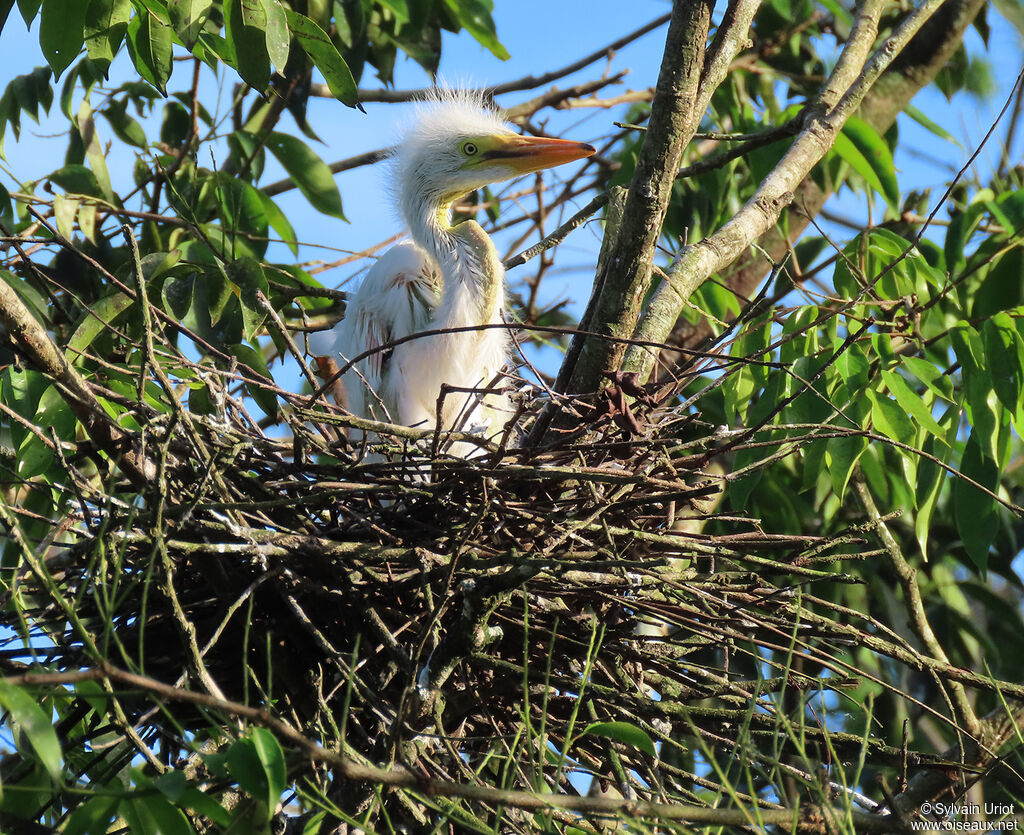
(449, 276)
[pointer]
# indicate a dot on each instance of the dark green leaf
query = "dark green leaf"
(5, 10)
(309, 172)
(973, 510)
(475, 16)
(123, 125)
(866, 153)
(264, 398)
(60, 32)
(99, 318)
(153, 814)
(29, 9)
(322, 52)
(279, 222)
(623, 732)
(247, 276)
(1003, 287)
(176, 787)
(150, 41)
(1003, 349)
(841, 456)
(93, 816)
(247, 769)
(35, 724)
(77, 179)
(248, 42)
(34, 458)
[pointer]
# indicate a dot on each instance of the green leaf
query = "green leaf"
(912, 403)
(100, 316)
(922, 119)
(124, 126)
(254, 359)
(106, 24)
(176, 787)
(279, 39)
(309, 172)
(931, 376)
(94, 149)
(974, 511)
(247, 276)
(322, 52)
(890, 419)
(64, 211)
(930, 478)
(95, 815)
(29, 9)
(248, 42)
(1003, 286)
(841, 456)
(623, 732)
(279, 222)
(475, 16)
(188, 18)
(77, 179)
(247, 769)
(1003, 351)
(272, 758)
(866, 152)
(60, 32)
(150, 41)
(5, 10)
(35, 724)
(153, 814)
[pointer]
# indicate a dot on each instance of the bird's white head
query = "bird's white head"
(457, 143)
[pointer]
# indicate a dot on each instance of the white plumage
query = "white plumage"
(447, 278)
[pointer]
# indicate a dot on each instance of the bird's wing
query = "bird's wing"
(396, 298)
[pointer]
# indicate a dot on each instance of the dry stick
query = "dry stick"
(804, 819)
(825, 118)
(995, 729)
(915, 605)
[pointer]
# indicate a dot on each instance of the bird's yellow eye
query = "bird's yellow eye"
(469, 149)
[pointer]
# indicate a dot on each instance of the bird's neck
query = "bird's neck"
(474, 277)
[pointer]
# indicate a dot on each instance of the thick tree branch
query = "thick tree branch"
(626, 273)
(695, 263)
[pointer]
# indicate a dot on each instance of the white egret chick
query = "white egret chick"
(448, 277)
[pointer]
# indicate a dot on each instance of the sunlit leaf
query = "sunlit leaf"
(309, 172)
(867, 154)
(623, 732)
(29, 717)
(323, 53)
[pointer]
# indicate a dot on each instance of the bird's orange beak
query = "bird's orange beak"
(531, 153)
